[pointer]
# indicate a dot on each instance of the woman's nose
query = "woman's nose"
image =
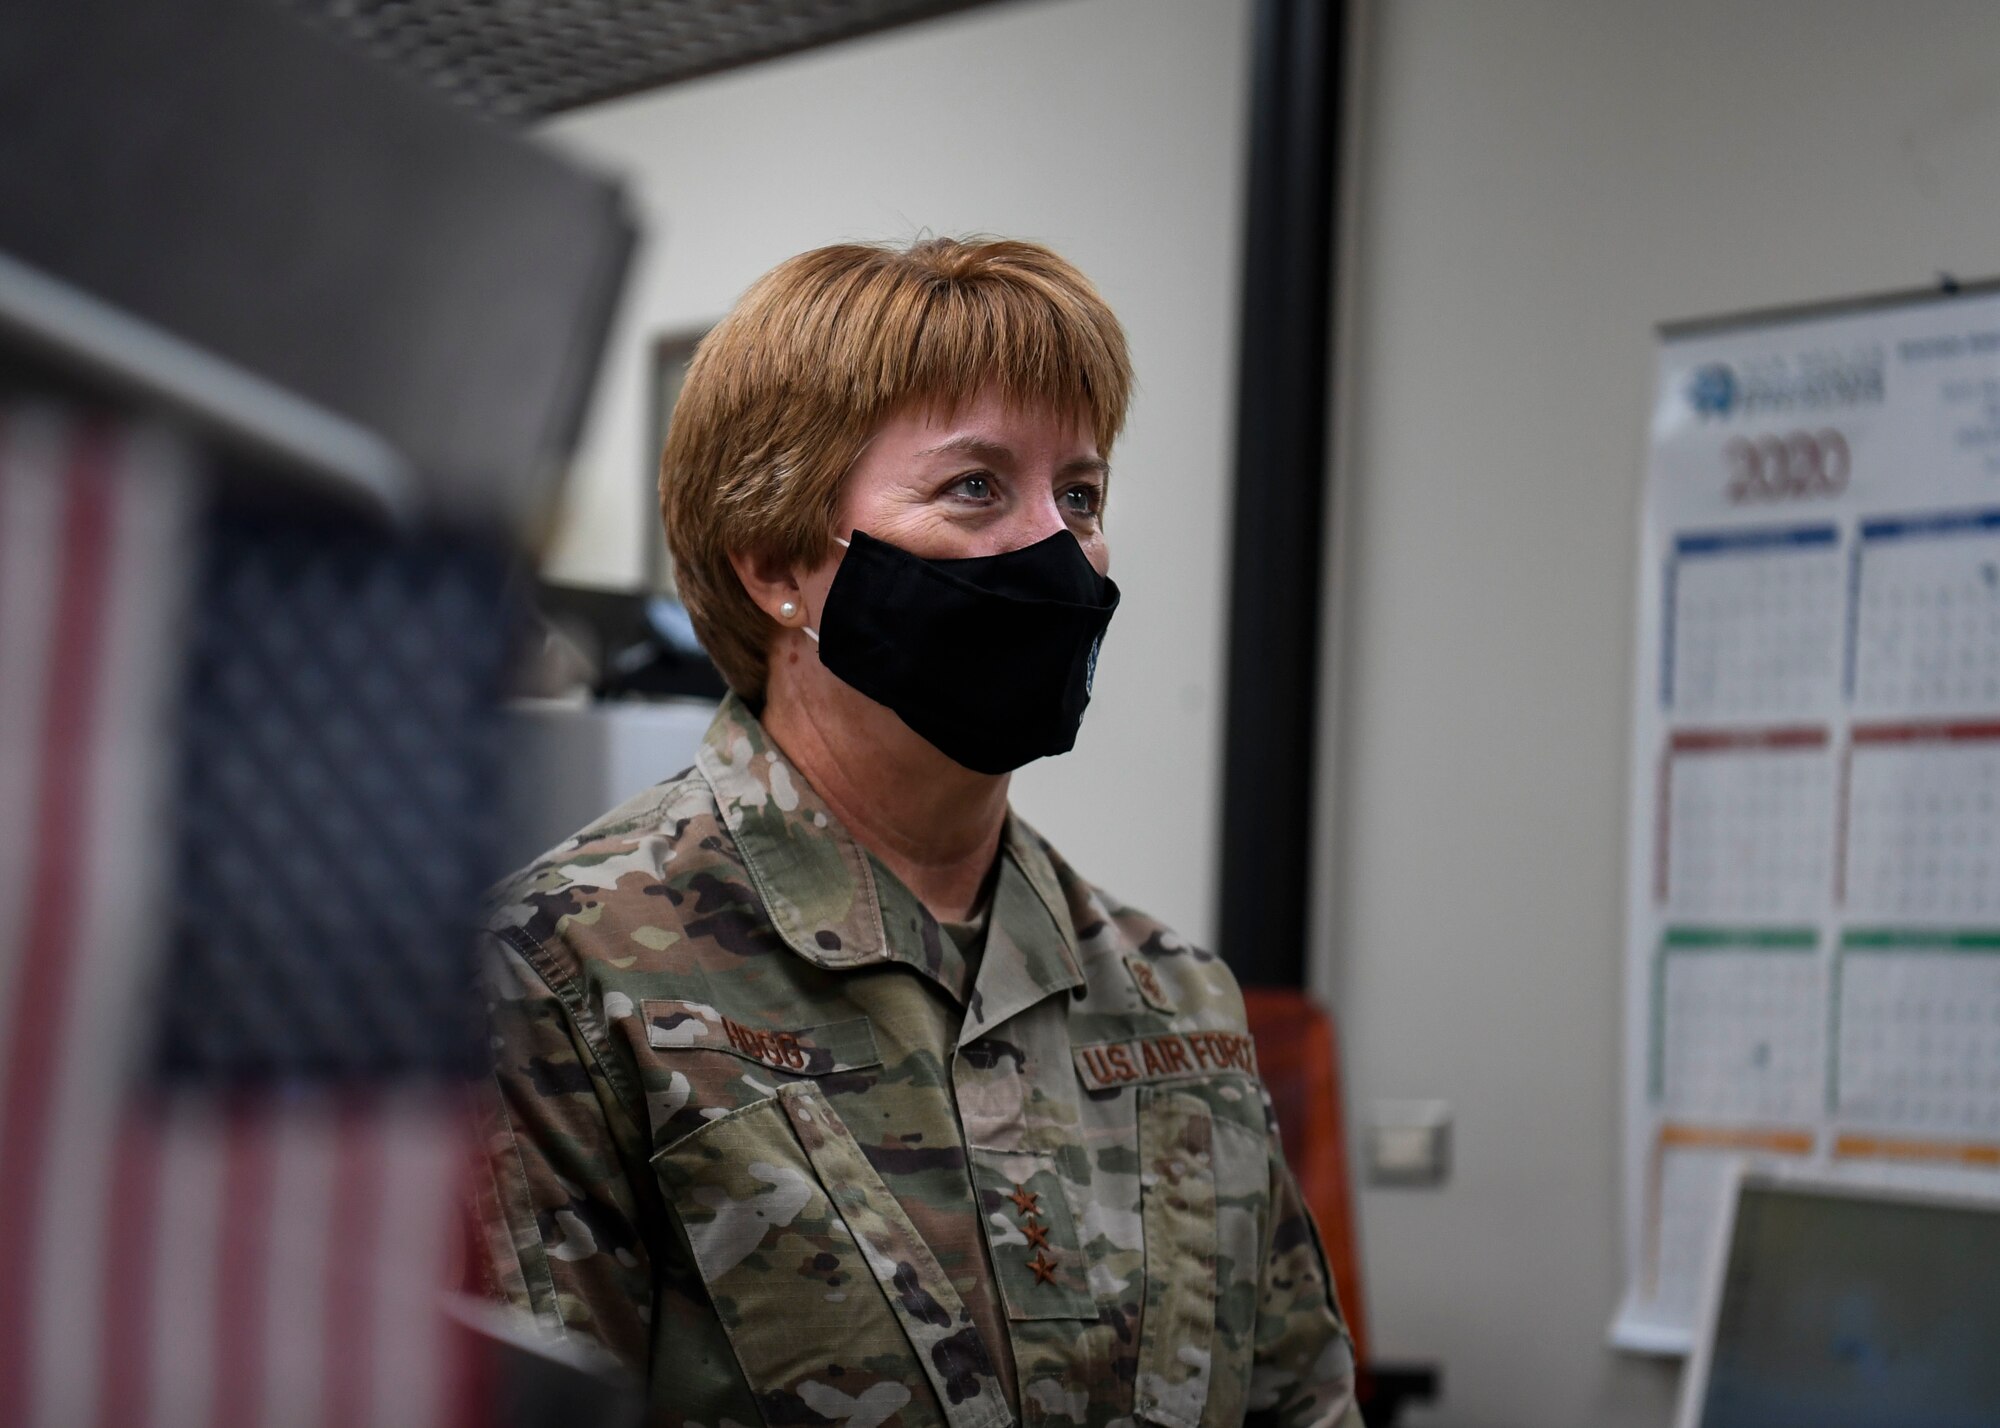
(1036, 520)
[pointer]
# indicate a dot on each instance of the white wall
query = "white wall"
(1110, 129)
(1541, 183)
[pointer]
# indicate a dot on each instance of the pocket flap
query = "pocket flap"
(802, 1051)
(937, 1322)
(793, 1233)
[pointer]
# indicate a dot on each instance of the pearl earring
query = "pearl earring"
(788, 611)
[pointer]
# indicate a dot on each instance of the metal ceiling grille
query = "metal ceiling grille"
(529, 58)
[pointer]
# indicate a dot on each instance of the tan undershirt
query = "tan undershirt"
(988, 1315)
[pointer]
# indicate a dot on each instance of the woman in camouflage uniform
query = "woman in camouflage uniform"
(827, 1092)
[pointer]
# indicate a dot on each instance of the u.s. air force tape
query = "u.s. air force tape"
(1104, 1064)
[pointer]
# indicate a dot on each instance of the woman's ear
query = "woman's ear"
(771, 584)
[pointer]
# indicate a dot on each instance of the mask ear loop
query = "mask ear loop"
(810, 631)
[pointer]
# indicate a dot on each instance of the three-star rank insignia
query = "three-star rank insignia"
(1028, 1202)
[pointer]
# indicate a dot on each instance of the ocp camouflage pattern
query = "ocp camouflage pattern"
(761, 1129)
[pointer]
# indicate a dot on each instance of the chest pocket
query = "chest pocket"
(704, 1062)
(830, 1298)
(1204, 1203)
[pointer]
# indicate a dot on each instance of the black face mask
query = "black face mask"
(990, 658)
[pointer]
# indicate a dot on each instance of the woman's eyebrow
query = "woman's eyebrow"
(991, 451)
(996, 453)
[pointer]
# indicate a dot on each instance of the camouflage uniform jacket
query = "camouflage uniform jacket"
(764, 1133)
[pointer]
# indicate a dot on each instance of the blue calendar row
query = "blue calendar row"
(1901, 618)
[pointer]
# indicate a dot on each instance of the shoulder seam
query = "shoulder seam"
(596, 1037)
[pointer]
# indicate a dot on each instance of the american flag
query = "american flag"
(230, 1147)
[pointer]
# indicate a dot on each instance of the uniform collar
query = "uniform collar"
(1031, 945)
(815, 881)
(820, 890)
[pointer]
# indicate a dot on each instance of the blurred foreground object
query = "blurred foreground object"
(208, 207)
(532, 60)
(94, 522)
(249, 759)
(307, 347)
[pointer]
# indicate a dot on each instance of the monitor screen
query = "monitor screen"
(1842, 1311)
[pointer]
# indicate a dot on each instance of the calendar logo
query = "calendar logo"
(1814, 380)
(1712, 390)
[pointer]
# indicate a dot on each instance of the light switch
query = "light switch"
(1409, 1142)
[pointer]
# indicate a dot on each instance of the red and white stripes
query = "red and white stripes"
(171, 1260)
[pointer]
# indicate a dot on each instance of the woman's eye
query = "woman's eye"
(1082, 500)
(977, 486)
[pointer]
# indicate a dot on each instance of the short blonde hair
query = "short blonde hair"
(784, 393)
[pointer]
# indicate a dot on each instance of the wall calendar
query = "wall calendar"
(1813, 905)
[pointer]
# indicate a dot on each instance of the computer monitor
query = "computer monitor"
(1837, 1304)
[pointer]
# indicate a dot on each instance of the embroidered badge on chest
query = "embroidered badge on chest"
(1103, 1065)
(806, 1051)
(1151, 989)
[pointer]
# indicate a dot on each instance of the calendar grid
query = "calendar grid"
(1748, 629)
(1948, 1077)
(1918, 832)
(1923, 626)
(1722, 941)
(1743, 822)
